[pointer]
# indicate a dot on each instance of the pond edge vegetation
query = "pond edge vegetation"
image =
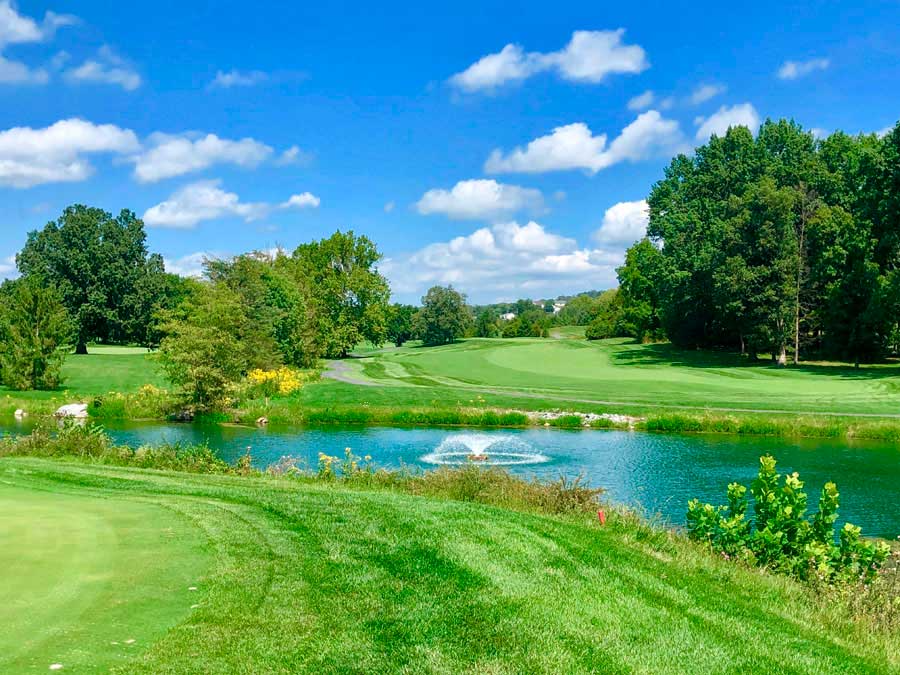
(870, 599)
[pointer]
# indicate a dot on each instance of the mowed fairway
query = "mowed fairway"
(88, 581)
(311, 577)
(621, 372)
(102, 370)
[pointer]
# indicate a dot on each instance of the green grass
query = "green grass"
(103, 370)
(91, 581)
(312, 577)
(620, 373)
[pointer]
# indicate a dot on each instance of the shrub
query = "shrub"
(278, 382)
(782, 538)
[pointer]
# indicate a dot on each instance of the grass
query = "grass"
(482, 382)
(96, 580)
(305, 576)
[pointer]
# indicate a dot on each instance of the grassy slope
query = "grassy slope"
(640, 375)
(315, 578)
(104, 369)
(91, 574)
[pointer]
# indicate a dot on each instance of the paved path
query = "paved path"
(342, 372)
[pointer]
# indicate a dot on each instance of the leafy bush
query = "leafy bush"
(781, 537)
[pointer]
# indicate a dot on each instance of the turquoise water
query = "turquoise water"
(659, 473)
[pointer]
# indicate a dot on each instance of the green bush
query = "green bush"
(782, 538)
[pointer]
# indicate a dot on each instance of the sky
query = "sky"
(504, 151)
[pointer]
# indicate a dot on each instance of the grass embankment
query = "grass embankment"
(303, 575)
(492, 382)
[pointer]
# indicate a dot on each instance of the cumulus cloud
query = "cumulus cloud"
(623, 223)
(203, 200)
(575, 147)
(16, 29)
(504, 260)
(305, 200)
(57, 153)
(642, 101)
(743, 114)
(107, 68)
(480, 198)
(174, 155)
(8, 267)
(705, 92)
(791, 70)
(238, 78)
(590, 56)
(389, 207)
(191, 265)
(293, 155)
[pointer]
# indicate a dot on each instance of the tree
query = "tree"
(607, 323)
(400, 324)
(579, 311)
(102, 270)
(639, 283)
(350, 295)
(210, 344)
(487, 324)
(35, 331)
(444, 316)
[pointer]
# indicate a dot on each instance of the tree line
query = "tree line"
(779, 244)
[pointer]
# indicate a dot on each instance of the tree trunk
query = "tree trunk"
(81, 347)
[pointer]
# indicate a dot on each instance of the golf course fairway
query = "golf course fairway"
(309, 576)
(89, 581)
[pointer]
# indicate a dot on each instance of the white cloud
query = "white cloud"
(706, 92)
(175, 155)
(56, 153)
(203, 200)
(884, 132)
(623, 223)
(574, 147)
(237, 78)
(743, 114)
(590, 56)
(106, 68)
(18, 29)
(8, 267)
(293, 155)
(507, 259)
(791, 70)
(642, 101)
(480, 198)
(191, 265)
(389, 207)
(302, 201)
(818, 132)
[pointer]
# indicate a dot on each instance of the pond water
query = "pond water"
(656, 472)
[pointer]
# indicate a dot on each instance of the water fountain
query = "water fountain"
(489, 449)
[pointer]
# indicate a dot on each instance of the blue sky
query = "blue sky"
(504, 151)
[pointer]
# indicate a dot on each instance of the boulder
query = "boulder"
(262, 421)
(20, 414)
(73, 410)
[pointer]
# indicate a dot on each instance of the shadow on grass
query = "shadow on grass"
(636, 354)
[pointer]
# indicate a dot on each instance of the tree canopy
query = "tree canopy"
(99, 264)
(775, 244)
(444, 316)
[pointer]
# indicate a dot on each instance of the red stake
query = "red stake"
(601, 517)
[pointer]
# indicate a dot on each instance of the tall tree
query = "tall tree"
(34, 335)
(444, 316)
(400, 324)
(351, 296)
(101, 267)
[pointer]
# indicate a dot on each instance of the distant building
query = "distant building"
(558, 305)
(509, 316)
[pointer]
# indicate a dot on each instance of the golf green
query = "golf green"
(90, 581)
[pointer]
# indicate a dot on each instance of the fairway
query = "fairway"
(621, 372)
(311, 577)
(90, 582)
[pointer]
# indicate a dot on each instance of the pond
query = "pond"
(658, 473)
